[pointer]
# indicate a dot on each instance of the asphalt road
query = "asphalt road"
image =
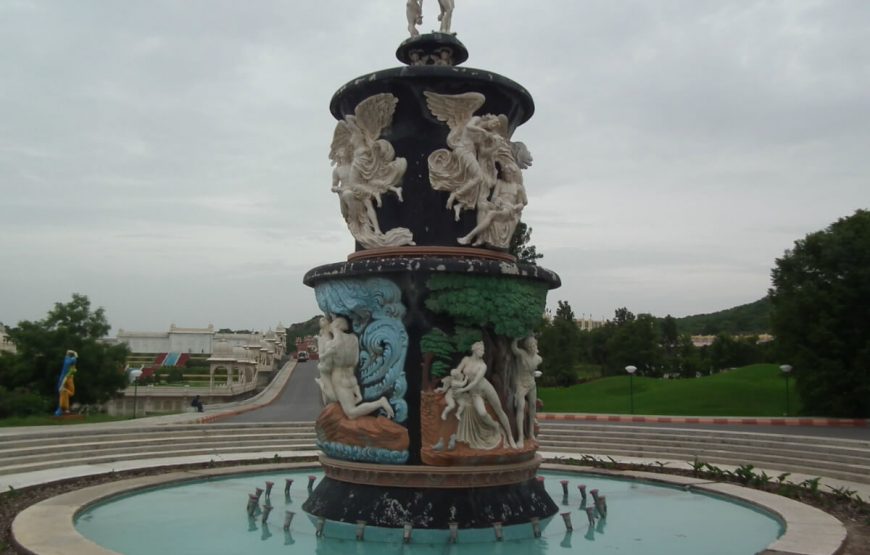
(300, 400)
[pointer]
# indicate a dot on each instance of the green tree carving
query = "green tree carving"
(509, 307)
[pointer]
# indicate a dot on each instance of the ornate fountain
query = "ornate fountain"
(427, 356)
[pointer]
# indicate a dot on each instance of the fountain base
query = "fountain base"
(430, 497)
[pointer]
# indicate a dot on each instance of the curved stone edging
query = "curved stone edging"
(47, 528)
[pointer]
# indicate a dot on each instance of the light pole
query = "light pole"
(786, 369)
(631, 370)
(135, 392)
(135, 374)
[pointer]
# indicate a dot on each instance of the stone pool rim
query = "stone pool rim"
(48, 527)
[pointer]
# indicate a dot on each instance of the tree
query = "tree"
(565, 312)
(520, 247)
(634, 342)
(41, 347)
(820, 295)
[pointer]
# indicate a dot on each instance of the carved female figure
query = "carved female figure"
(525, 389)
(476, 427)
(339, 357)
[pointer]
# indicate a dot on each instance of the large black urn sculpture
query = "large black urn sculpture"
(427, 359)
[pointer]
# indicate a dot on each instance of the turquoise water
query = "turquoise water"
(209, 518)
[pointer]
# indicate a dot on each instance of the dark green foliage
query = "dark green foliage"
(520, 247)
(510, 307)
(438, 343)
(175, 375)
(42, 345)
(560, 346)
(22, 402)
(752, 318)
(820, 297)
(302, 329)
(196, 363)
(448, 350)
(565, 312)
(731, 352)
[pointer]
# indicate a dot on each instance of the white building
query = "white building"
(197, 341)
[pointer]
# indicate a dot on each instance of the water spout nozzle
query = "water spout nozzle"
(567, 518)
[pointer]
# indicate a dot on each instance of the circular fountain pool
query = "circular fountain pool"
(209, 517)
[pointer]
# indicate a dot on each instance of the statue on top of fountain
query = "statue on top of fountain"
(414, 12)
(482, 169)
(366, 167)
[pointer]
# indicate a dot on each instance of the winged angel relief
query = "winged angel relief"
(366, 167)
(482, 170)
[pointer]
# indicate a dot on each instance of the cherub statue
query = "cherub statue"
(414, 12)
(525, 390)
(449, 387)
(339, 357)
(483, 171)
(366, 167)
(476, 427)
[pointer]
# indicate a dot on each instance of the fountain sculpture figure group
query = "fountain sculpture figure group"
(427, 361)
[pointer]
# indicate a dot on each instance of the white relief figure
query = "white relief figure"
(414, 12)
(499, 214)
(446, 15)
(324, 364)
(339, 357)
(460, 170)
(455, 400)
(482, 170)
(366, 167)
(476, 427)
(525, 389)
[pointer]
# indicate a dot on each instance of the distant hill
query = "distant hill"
(302, 329)
(752, 318)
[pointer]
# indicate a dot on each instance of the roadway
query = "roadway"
(299, 401)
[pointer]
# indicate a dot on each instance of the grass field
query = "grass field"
(756, 390)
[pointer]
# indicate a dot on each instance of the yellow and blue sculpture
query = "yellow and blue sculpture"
(66, 386)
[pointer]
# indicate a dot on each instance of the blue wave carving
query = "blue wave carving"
(362, 454)
(375, 310)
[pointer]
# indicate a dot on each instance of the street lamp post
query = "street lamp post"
(135, 392)
(631, 370)
(786, 369)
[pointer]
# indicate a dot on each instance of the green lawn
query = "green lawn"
(48, 420)
(756, 390)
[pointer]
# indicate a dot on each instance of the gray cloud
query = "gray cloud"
(169, 158)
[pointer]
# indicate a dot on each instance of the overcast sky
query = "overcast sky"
(169, 158)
